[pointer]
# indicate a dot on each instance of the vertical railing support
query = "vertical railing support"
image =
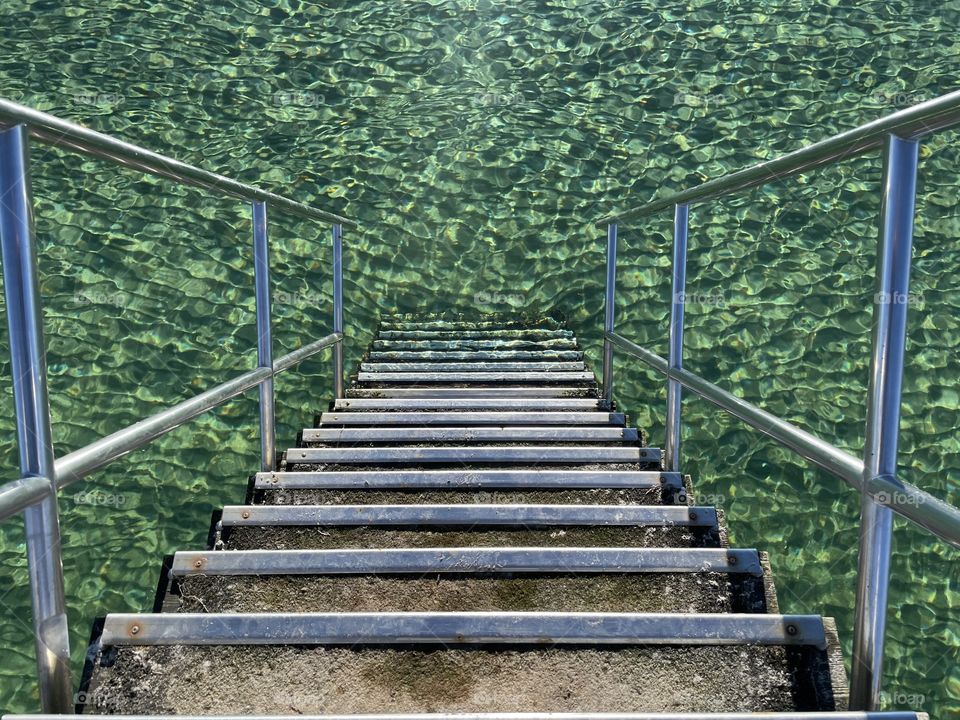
(338, 309)
(29, 370)
(678, 289)
(883, 415)
(609, 305)
(261, 277)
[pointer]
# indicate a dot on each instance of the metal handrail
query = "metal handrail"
(42, 475)
(52, 130)
(911, 124)
(875, 476)
(908, 501)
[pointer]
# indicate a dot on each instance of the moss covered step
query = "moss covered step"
(471, 579)
(464, 662)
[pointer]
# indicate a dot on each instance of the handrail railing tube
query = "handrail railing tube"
(62, 133)
(609, 311)
(28, 367)
(913, 122)
(74, 466)
(890, 304)
(292, 358)
(261, 275)
(18, 495)
(678, 289)
(908, 501)
(338, 390)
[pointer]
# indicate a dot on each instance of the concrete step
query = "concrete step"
(462, 662)
(471, 579)
(481, 454)
(476, 434)
(455, 419)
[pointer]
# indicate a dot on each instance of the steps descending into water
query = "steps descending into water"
(470, 530)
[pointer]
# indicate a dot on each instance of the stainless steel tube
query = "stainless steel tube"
(63, 133)
(73, 467)
(678, 289)
(883, 415)
(338, 390)
(29, 371)
(261, 276)
(609, 308)
(912, 122)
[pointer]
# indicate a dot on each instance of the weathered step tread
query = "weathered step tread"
(500, 418)
(688, 592)
(512, 391)
(477, 377)
(465, 479)
(470, 344)
(489, 402)
(499, 560)
(474, 366)
(475, 434)
(463, 628)
(500, 454)
(474, 355)
(466, 496)
(476, 515)
(473, 334)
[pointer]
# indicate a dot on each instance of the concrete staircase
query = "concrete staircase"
(470, 530)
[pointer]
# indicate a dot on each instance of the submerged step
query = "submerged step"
(467, 344)
(513, 397)
(531, 366)
(440, 323)
(498, 454)
(473, 334)
(516, 515)
(473, 355)
(507, 434)
(476, 377)
(511, 404)
(501, 418)
(515, 391)
(827, 715)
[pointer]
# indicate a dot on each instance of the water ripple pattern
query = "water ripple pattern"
(477, 142)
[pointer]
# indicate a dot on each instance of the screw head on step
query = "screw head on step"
(245, 514)
(693, 515)
(134, 629)
(731, 560)
(792, 629)
(198, 563)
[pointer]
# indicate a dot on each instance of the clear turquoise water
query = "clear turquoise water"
(477, 143)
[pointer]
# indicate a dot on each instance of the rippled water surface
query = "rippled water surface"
(478, 143)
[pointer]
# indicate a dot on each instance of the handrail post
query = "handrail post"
(29, 370)
(338, 309)
(608, 311)
(678, 285)
(883, 415)
(261, 278)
